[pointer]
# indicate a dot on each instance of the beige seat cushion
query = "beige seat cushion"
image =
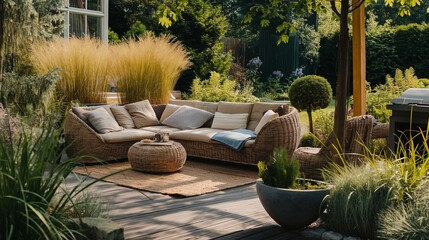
(127, 135)
(230, 121)
(122, 116)
(199, 135)
(160, 129)
(187, 118)
(268, 116)
(258, 111)
(101, 120)
(169, 109)
(142, 114)
(191, 103)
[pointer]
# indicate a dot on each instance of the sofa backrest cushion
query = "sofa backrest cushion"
(230, 121)
(258, 111)
(234, 107)
(159, 109)
(191, 103)
(79, 112)
(209, 107)
(268, 116)
(122, 116)
(169, 109)
(142, 114)
(187, 118)
(101, 120)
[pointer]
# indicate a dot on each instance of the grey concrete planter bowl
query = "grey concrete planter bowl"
(291, 208)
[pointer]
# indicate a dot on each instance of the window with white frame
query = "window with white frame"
(86, 18)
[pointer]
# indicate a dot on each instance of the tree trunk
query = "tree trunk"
(343, 78)
(310, 121)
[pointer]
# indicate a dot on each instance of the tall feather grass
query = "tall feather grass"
(84, 67)
(149, 67)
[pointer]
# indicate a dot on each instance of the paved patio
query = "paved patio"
(231, 214)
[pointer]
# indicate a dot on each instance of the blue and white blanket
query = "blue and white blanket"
(234, 138)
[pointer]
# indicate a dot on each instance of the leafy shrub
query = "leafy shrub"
(381, 95)
(309, 140)
(388, 48)
(310, 93)
(274, 87)
(28, 92)
(323, 124)
(280, 171)
(136, 31)
(84, 67)
(149, 68)
(219, 88)
(424, 82)
(253, 75)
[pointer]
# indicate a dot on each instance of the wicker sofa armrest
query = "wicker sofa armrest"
(284, 131)
(79, 136)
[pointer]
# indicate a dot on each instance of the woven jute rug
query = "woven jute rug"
(195, 178)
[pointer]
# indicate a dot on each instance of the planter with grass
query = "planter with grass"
(292, 202)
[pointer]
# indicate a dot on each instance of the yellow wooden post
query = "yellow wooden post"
(359, 61)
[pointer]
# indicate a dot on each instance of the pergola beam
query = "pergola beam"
(359, 60)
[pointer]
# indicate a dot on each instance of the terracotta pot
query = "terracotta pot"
(291, 208)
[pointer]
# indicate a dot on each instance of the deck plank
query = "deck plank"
(230, 214)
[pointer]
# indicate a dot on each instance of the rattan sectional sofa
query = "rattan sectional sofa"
(284, 131)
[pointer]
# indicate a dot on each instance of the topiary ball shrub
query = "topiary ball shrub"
(310, 93)
(309, 140)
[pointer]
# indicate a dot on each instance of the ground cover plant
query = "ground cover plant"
(84, 66)
(149, 67)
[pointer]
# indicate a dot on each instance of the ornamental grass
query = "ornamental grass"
(367, 200)
(84, 66)
(149, 67)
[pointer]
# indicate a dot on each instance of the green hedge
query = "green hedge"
(391, 48)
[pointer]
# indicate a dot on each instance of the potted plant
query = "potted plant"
(291, 201)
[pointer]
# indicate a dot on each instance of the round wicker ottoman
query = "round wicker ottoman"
(157, 158)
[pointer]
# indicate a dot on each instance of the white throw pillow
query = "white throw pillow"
(187, 118)
(230, 121)
(268, 116)
(102, 121)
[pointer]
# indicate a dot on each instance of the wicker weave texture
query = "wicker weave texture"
(358, 134)
(284, 131)
(157, 158)
(81, 139)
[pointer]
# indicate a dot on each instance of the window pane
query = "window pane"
(94, 26)
(94, 5)
(77, 25)
(77, 3)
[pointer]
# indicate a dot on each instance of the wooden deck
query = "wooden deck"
(231, 214)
